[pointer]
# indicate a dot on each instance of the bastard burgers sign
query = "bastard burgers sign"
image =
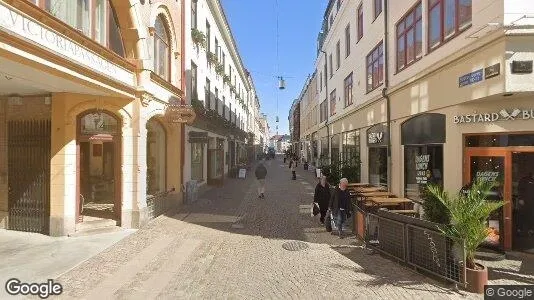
(502, 115)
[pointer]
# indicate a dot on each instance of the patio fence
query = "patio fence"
(412, 241)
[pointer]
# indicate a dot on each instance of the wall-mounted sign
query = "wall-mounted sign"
(502, 115)
(522, 67)
(421, 168)
(19, 24)
(198, 137)
(375, 137)
(470, 78)
(492, 71)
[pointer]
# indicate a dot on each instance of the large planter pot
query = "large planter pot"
(476, 279)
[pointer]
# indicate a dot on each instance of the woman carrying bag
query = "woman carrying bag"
(322, 196)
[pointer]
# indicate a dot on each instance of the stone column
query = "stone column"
(3, 164)
(62, 169)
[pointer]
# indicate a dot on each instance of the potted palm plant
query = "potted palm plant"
(468, 214)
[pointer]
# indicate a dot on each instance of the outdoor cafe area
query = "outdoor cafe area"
(372, 198)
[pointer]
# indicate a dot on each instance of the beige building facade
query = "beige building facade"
(457, 79)
(84, 129)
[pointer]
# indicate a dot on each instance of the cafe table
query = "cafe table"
(383, 201)
(358, 184)
(369, 189)
(376, 194)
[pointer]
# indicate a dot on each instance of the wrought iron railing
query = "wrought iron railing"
(412, 241)
(158, 204)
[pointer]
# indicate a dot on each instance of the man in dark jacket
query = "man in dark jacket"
(261, 173)
(340, 205)
(322, 196)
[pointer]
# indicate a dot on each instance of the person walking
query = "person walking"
(322, 196)
(293, 167)
(261, 173)
(340, 204)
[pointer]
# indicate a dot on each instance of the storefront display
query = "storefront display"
(377, 141)
(423, 137)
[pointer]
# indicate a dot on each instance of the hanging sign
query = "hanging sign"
(421, 168)
(177, 114)
(502, 115)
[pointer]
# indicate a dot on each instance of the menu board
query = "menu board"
(421, 168)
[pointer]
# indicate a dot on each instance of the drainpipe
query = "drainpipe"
(327, 105)
(385, 95)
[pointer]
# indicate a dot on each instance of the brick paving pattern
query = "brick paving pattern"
(228, 245)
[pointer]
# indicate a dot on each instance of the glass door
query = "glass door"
(523, 200)
(493, 165)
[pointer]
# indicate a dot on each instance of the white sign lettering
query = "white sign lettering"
(503, 115)
(487, 175)
(19, 24)
(375, 137)
(421, 167)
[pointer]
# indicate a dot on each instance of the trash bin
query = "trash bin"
(191, 189)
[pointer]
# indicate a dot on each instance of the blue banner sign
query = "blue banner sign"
(471, 78)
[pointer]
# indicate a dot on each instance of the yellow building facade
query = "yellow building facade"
(84, 134)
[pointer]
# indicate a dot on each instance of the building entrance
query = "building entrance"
(508, 160)
(523, 200)
(98, 166)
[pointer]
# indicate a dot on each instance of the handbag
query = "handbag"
(315, 209)
(328, 222)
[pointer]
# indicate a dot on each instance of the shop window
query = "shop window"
(162, 50)
(351, 147)
(378, 168)
(324, 148)
(423, 165)
(95, 19)
(197, 161)
(422, 137)
(334, 146)
(156, 150)
(377, 141)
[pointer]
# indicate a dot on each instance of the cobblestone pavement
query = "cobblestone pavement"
(232, 245)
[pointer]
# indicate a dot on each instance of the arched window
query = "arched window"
(162, 50)
(94, 18)
(156, 157)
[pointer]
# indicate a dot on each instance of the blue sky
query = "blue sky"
(253, 24)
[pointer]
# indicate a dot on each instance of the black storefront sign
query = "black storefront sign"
(492, 71)
(522, 67)
(377, 136)
(198, 137)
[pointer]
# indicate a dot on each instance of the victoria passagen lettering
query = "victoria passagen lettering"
(33, 30)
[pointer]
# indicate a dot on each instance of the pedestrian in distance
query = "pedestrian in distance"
(293, 167)
(261, 173)
(322, 196)
(340, 204)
